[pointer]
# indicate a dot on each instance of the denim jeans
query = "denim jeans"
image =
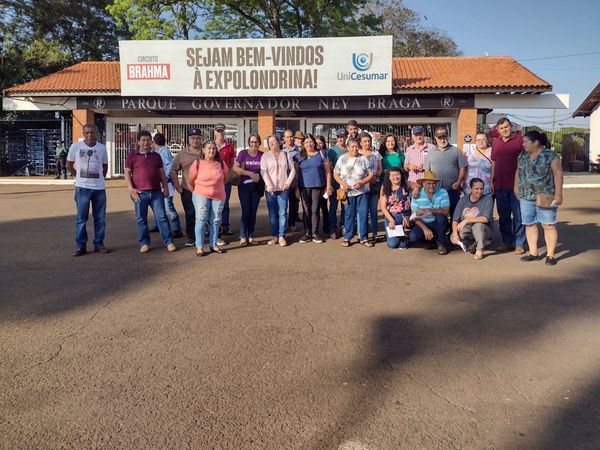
(373, 207)
(394, 241)
(83, 198)
(454, 197)
(171, 214)
(357, 206)
(439, 227)
(225, 214)
(249, 201)
(294, 207)
(511, 230)
(208, 213)
(190, 213)
(334, 224)
(277, 204)
(155, 200)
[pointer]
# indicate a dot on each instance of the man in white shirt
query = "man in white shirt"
(87, 160)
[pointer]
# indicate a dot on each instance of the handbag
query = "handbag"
(341, 195)
(260, 187)
(544, 200)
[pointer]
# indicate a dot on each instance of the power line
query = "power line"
(559, 56)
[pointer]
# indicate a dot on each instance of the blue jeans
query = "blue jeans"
(83, 198)
(155, 200)
(357, 206)
(395, 241)
(208, 213)
(439, 227)
(454, 197)
(511, 230)
(373, 204)
(171, 214)
(277, 204)
(249, 201)
(334, 224)
(225, 214)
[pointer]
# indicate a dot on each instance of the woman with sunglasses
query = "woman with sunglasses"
(250, 189)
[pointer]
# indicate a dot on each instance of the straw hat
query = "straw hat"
(429, 176)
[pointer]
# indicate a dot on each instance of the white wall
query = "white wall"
(595, 135)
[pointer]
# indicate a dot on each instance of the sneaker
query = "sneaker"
(306, 238)
(101, 249)
(190, 243)
(442, 250)
(221, 242)
(402, 246)
(171, 247)
(478, 255)
(529, 258)
(317, 239)
(177, 234)
(519, 250)
(282, 242)
(550, 261)
(505, 248)
(80, 251)
(273, 241)
(144, 248)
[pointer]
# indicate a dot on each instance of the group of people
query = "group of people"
(431, 193)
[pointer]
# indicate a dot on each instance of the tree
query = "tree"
(147, 19)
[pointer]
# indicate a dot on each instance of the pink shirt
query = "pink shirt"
(415, 156)
(277, 173)
(210, 181)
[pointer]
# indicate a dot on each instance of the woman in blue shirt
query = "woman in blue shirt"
(314, 173)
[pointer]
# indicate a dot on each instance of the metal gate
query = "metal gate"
(123, 138)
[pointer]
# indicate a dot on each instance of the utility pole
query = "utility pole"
(553, 127)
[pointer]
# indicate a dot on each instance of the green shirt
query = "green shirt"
(536, 176)
(392, 160)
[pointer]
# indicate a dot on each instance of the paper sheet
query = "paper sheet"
(398, 231)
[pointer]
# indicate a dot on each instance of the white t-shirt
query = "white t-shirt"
(88, 164)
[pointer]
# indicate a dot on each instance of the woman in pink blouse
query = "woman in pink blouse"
(206, 180)
(278, 172)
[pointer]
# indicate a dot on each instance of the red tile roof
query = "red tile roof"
(430, 74)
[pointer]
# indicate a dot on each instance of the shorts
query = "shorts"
(532, 214)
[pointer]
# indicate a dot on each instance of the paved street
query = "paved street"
(305, 347)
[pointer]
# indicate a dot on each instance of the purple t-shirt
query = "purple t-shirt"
(249, 163)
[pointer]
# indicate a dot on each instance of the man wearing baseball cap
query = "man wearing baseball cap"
(450, 165)
(430, 214)
(415, 156)
(182, 162)
(227, 154)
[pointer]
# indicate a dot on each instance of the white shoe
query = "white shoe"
(144, 248)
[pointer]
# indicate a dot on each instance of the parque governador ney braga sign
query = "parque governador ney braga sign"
(370, 103)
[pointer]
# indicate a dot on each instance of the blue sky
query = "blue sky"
(528, 29)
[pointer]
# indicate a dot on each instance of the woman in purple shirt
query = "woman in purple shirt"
(250, 189)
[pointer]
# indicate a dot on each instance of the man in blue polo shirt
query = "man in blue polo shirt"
(430, 211)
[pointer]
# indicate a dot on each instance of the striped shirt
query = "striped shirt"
(415, 157)
(439, 200)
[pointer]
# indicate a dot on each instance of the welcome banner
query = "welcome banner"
(352, 66)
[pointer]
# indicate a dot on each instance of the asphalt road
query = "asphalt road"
(305, 347)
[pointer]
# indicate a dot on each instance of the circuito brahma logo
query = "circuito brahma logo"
(362, 61)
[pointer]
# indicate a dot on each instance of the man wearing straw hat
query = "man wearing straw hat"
(429, 212)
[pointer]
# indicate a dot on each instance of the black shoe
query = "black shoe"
(190, 243)
(550, 261)
(442, 250)
(153, 230)
(217, 250)
(317, 239)
(227, 233)
(101, 249)
(529, 258)
(177, 235)
(306, 238)
(80, 251)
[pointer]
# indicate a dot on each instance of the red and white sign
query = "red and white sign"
(148, 71)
